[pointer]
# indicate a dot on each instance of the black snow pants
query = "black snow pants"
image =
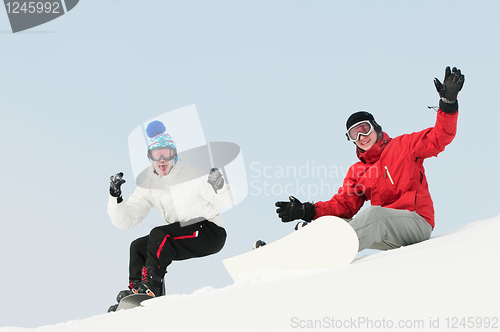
(168, 243)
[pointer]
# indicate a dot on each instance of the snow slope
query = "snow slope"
(428, 285)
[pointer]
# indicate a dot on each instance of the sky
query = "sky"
(277, 78)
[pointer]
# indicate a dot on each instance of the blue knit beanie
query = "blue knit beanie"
(158, 138)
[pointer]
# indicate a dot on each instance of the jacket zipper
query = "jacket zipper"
(387, 174)
(163, 210)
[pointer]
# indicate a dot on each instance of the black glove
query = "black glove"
(215, 179)
(449, 89)
(294, 209)
(115, 182)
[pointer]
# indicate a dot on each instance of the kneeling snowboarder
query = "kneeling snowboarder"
(390, 174)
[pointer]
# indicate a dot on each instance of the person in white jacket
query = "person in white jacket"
(187, 201)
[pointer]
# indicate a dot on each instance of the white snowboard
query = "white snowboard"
(132, 301)
(325, 243)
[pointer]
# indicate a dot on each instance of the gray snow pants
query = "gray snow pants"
(383, 228)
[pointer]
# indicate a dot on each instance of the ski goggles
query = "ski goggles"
(159, 154)
(356, 130)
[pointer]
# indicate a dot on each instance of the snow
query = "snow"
(448, 281)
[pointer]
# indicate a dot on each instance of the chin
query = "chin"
(365, 147)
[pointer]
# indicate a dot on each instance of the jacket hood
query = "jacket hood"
(371, 156)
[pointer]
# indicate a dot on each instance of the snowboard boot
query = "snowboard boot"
(151, 283)
(258, 244)
(113, 308)
(133, 287)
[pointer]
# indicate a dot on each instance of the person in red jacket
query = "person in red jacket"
(390, 174)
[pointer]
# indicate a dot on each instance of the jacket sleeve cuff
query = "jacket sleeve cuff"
(115, 200)
(309, 211)
(447, 107)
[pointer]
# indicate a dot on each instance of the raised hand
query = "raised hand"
(115, 183)
(451, 86)
(215, 179)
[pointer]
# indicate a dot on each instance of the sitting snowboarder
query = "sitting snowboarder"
(390, 174)
(186, 200)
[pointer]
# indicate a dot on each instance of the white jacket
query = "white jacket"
(184, 195)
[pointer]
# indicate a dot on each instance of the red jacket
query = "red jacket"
(391, 173)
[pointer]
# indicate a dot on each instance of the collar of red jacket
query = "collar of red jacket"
(371, 156)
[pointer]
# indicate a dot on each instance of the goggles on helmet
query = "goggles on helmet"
(361, 128)
(159, 154)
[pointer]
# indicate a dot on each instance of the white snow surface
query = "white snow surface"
(436, 283)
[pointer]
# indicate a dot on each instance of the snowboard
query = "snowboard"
(325, 243)
(132, 301)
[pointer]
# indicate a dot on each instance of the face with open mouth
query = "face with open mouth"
(162, 166)
(365, 142)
